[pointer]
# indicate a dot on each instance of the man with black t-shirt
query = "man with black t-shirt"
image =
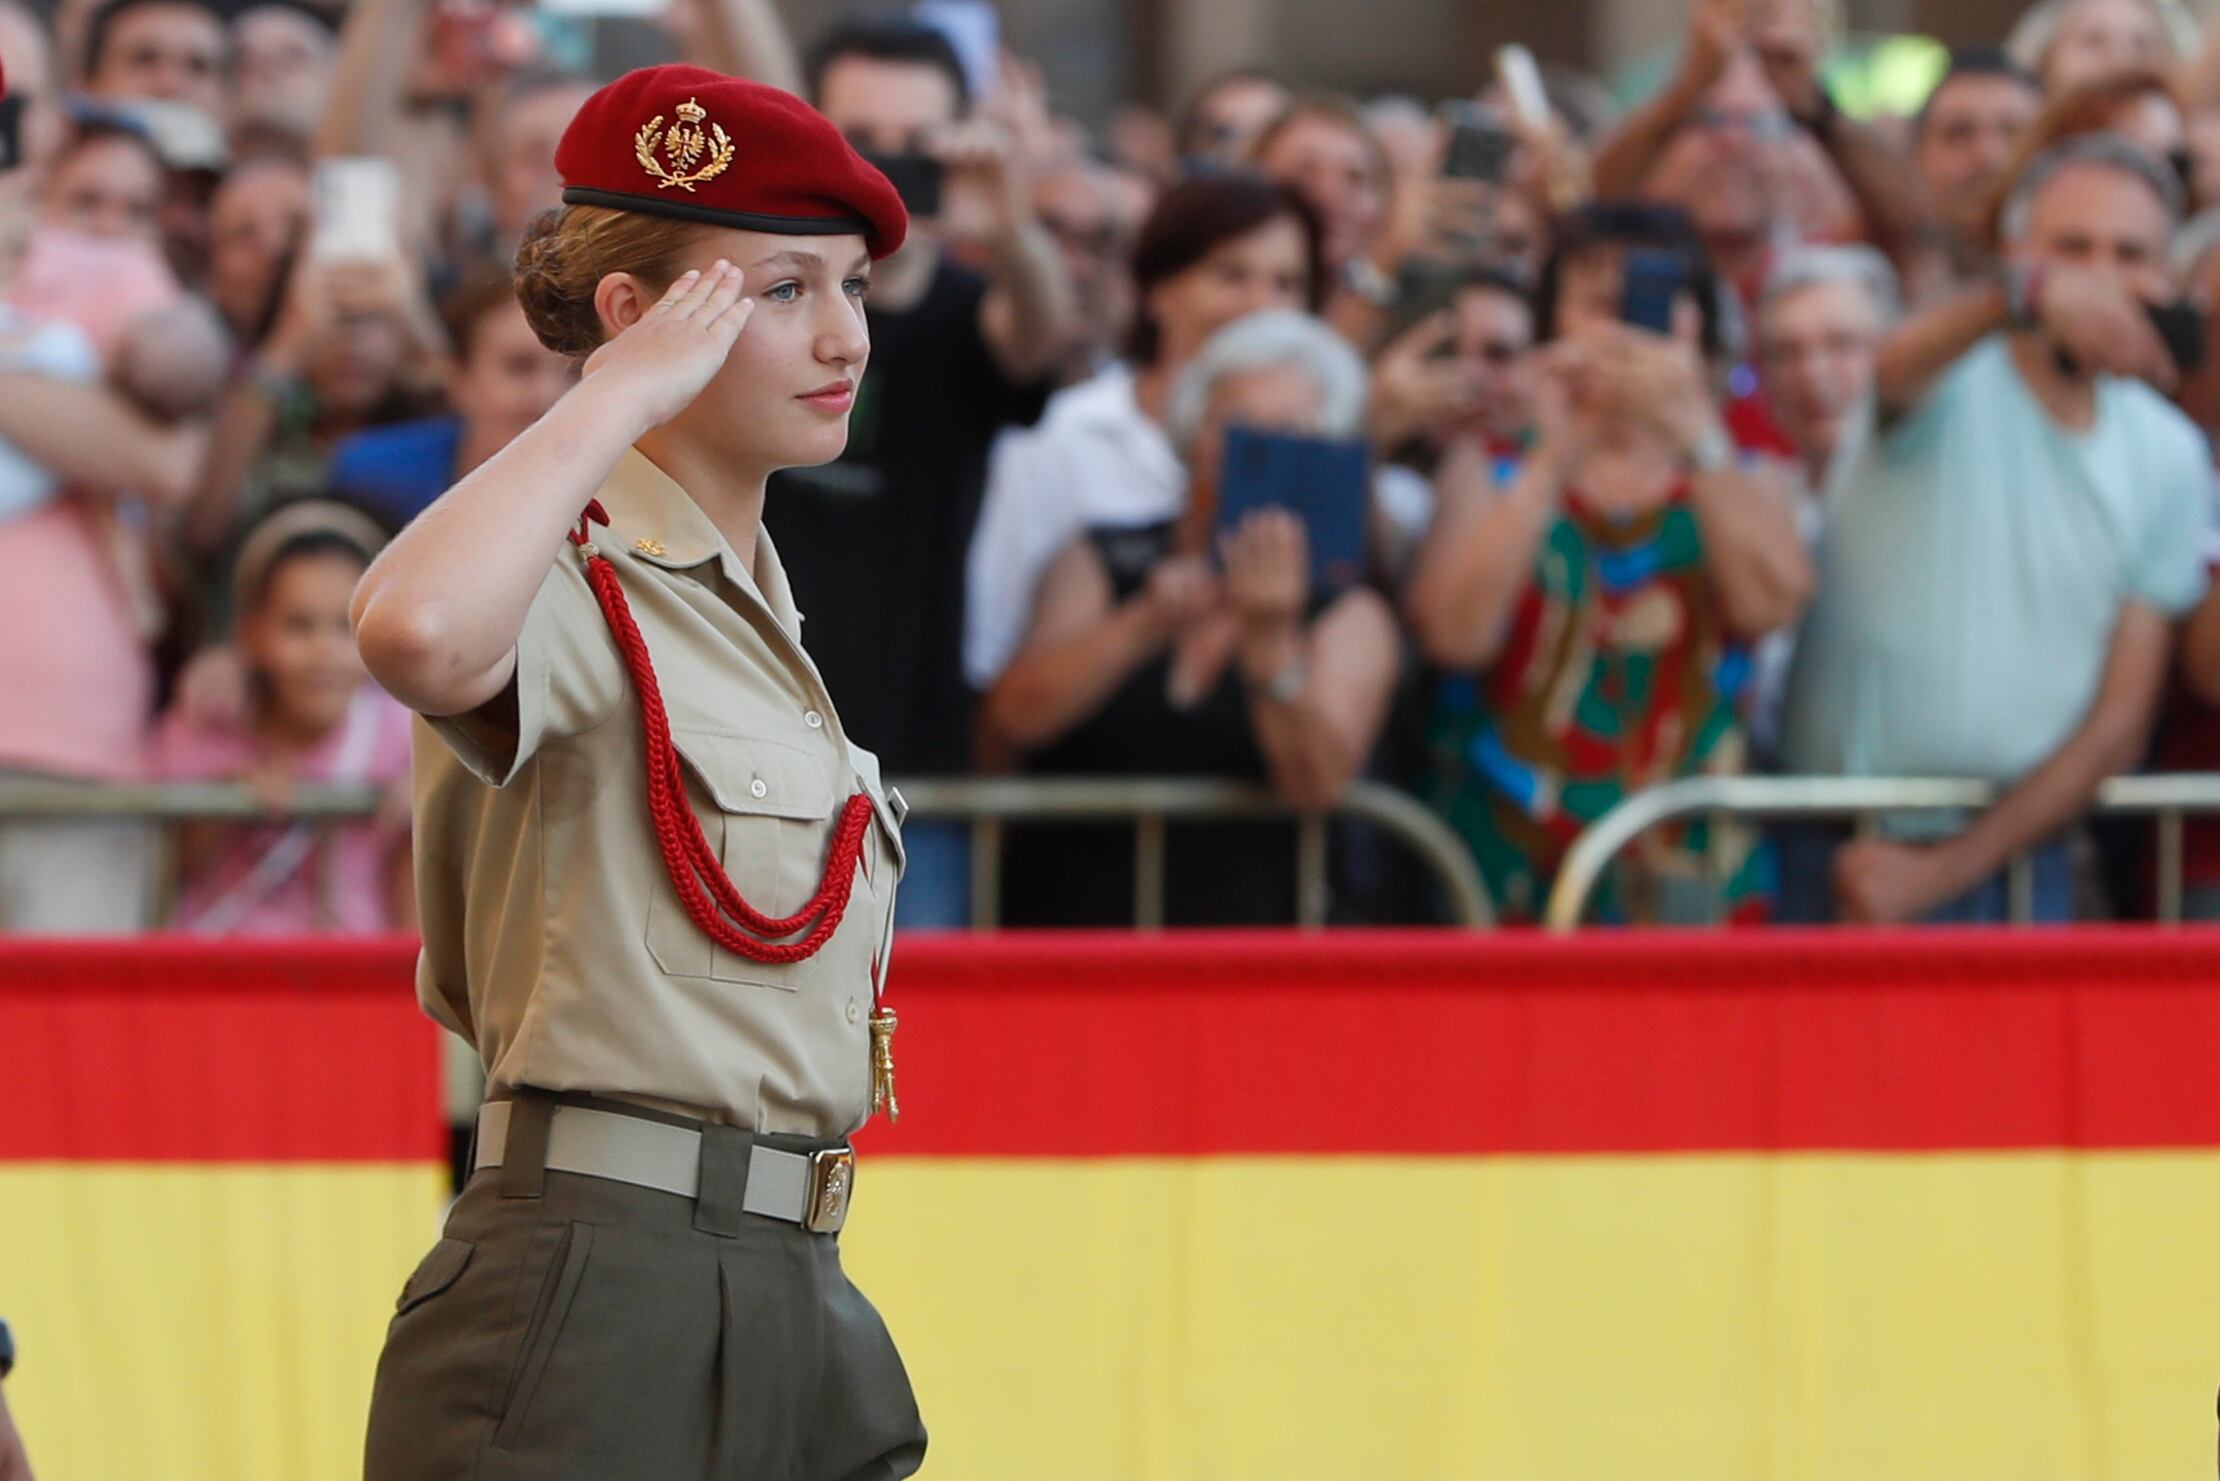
(875, 543)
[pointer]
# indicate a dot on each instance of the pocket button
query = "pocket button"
(759, 789)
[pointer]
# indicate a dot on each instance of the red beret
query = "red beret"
(697, 145)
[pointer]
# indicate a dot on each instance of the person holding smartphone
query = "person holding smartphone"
(1189, 645)
(656, 875)
(970, 321)
(1593, 618)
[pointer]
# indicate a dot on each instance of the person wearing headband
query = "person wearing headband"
(656, 878)
(313, 716)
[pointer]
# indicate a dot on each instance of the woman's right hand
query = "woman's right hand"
(664, 359)
(1180, 589)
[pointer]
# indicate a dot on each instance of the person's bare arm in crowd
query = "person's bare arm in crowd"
(1479, 554)
(1625, 158)
(2200, 649)
(2094, 320)
(1752, 546)
(1028, 313)
(1882, 881)
(1880, 177)
(1084, 644)
(378, 44)
(1315, 741)
(247, 418)
(1915, 355)
(437, 616)
(1026, 316)
(96, 442)
(748, 38)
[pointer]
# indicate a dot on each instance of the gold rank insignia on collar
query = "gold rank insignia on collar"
(694, 156)
(648, 547)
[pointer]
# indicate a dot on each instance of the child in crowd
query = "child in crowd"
(169, 364)
(314, 717)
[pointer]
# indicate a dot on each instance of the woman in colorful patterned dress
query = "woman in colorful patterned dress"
(1593, 618)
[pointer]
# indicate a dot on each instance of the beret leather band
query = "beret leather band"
(656, 205)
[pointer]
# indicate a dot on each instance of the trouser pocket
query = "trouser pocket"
(558, 1289)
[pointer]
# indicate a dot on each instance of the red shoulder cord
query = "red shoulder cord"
(686, 851)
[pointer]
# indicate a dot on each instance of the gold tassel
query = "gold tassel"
(883, 1023)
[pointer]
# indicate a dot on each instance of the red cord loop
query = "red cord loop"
(699, 876)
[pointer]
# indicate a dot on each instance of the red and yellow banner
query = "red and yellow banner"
(217, 1165)
(1686, 1208)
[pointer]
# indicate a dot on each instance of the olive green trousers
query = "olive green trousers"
(572, 1327)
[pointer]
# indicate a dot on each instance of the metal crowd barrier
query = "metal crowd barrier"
(2168, 798)
(989, 803)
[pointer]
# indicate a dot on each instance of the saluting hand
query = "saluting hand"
(673, 350)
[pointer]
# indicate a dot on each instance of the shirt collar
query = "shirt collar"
(655, 521)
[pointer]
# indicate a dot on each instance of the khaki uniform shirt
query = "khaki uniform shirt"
(553, 937)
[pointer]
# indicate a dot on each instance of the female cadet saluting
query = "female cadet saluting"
(656, 878)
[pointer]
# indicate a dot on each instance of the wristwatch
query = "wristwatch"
(7, 1350)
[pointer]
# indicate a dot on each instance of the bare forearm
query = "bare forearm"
(2037, 807)
(1037, 301)
(1881, 178)
(2110, 740)
(1473, 566)
(377, 45)
(2200, 649)
(1049, 689)
(245, 423)
(748, 38)
(1753, 549)
(1930, 342)
(438, 615)
(1306, 753)
(1634, 148)
(97, 443)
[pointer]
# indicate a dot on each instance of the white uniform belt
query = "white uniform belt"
(809, 1189)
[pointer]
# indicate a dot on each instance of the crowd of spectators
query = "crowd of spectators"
(1722, 433)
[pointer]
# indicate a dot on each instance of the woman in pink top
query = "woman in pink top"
(315, 717)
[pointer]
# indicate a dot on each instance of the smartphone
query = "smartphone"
(916, 178)
(356, 210)
(1326, 482)
(1522, 85)
(2183, 329)
(1652, 289)
(1424, 287)
(974, 28)
(11, 131)
(1479, 147)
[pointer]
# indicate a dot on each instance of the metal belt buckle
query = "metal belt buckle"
(832, 1179)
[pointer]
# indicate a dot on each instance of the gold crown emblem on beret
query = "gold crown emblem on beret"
(694, 156)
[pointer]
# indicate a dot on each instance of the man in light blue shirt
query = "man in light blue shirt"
(2000, 573)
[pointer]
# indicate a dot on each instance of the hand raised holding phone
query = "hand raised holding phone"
(666, 356)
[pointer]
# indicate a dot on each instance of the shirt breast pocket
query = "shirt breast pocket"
(766, 809)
